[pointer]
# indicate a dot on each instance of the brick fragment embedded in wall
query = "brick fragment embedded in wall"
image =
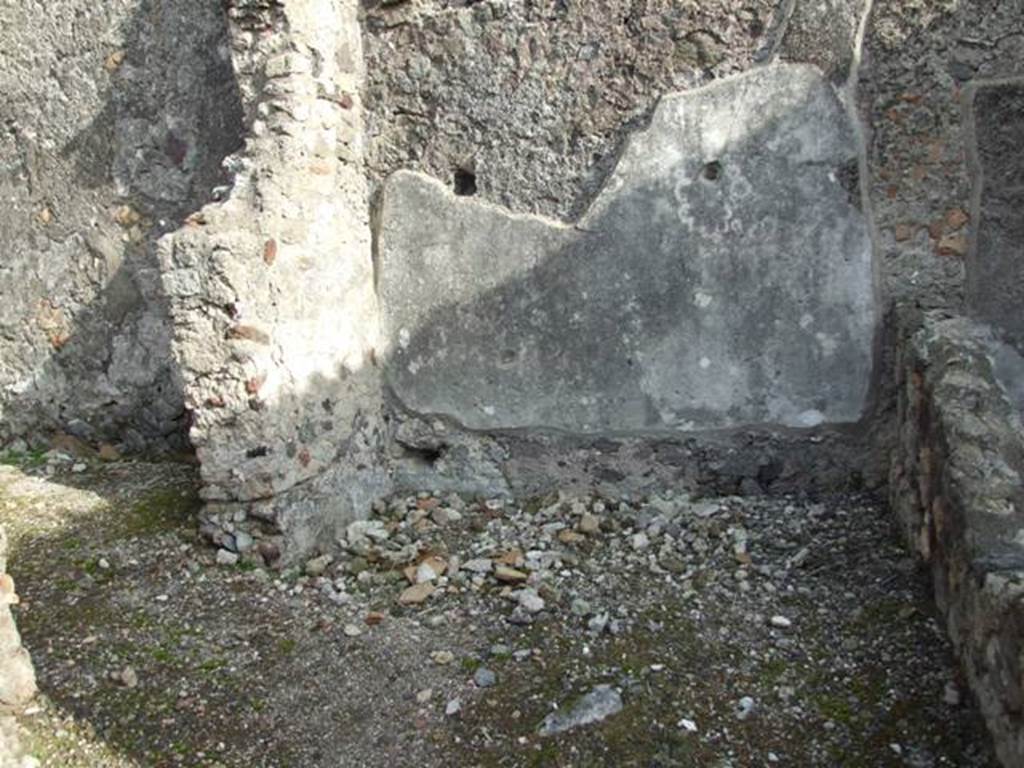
(126, 216)
(952, 245)
(956, 218)
(247, 333)
(903, 232)
(52, 321)
(114, 61)
(270, 252)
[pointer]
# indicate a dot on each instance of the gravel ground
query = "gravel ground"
(445, 631)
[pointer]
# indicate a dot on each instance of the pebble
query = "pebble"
(479, 565)
(453, 707)
(602, 702)
(318, 565)
(353, 630)
(745, 708)
(951, 694)
(639, 541)
(243, 541)
(366, 529)
(530, 600)
(781, 622)
(442, 657)
(226, 557)
(127, 677)
(484, 678)
(589, 524)
(416, 594)
(672, 564)
(510, 575)
(688, 725)
(424, 696)
(580, 607)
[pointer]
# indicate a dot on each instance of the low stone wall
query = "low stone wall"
(956, 485)
(17, 678)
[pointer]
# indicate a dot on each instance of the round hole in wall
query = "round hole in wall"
(713, 170)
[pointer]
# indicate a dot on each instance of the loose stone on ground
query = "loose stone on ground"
(593, 638)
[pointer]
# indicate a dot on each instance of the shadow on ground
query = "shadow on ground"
(234, 667)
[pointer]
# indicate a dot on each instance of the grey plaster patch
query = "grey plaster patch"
(723, 277)
(995, 269)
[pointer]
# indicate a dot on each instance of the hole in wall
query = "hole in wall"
(848, 175)
(712, 171)
(464, 182)
(426, 456)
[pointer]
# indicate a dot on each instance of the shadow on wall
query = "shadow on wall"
(600, 329)
(149, 158)
(715, 283)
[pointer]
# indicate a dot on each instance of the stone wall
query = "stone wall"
(957, 486)
(17, 679)
(274, 296)
(494, 68)
(287, 123)
(525, 104)
(116, 116)
(17, 676)
(918, 59)
(531, 100)
(272, 291)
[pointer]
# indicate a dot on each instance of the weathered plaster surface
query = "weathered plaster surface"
(723, 277)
